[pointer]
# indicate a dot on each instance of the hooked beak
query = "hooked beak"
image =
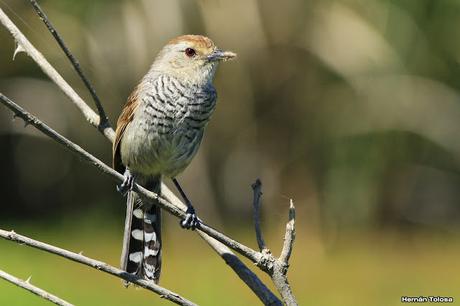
(219, 55)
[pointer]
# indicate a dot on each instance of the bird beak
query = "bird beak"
(219, 55)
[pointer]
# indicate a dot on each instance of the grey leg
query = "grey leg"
(190, 221)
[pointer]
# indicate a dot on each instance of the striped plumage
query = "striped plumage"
(158, 133)
(168, 125)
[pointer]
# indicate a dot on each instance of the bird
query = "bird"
(158, 133)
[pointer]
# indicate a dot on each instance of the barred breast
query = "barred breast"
(168, 126)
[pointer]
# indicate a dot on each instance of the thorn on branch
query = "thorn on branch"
(33, 289)
(19, 49)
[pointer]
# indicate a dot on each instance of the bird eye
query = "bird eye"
(190, 52)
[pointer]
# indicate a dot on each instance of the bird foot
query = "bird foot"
(191, 221)
(127, 184)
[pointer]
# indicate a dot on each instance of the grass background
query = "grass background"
(359, 269)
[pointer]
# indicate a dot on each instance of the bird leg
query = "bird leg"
(191, 221)
(127, 184)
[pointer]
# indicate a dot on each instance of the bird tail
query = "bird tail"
(141, 253)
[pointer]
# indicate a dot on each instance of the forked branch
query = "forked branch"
(23, 45)
(104, 121)
(277, 267)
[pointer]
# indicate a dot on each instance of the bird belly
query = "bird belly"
(152, 150)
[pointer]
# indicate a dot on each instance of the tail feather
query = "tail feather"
(152, 244)
(141, 254)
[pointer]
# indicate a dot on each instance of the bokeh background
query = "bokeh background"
(350, 107)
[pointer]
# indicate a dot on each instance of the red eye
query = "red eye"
(190, 52)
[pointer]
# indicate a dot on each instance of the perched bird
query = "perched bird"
(158, 133)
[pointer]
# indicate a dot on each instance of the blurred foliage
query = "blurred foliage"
(351, 107)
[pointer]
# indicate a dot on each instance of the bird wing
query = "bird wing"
(125, 118)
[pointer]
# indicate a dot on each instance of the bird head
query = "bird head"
(192, 57)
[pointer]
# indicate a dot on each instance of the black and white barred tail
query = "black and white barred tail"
(141, 253)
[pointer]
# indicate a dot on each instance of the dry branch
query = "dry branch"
(289, 236)
(281, 265)
(278, 267)
(98, 265)
(243, 272)
(23, 45)
(104, 121)
(33, 289)
(257, 189)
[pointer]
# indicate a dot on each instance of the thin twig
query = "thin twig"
(257, 187)
(281, 265)
(34, 289)
(98, 265)
(243, 272)
(25, 46)
(104, 121)
(289, 236)
(277, 268)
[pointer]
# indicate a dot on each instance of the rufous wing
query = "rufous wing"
(126, 116)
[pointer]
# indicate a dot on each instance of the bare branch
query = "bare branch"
(289, 235)
(282, 285)
(27, 47)
(277, 268)
(98, 265)
(243, 272)
(34, 289)
(104, 121)
(281, 265)
(257, 190)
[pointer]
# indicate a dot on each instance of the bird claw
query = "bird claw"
(191, 221)
(127, 184)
